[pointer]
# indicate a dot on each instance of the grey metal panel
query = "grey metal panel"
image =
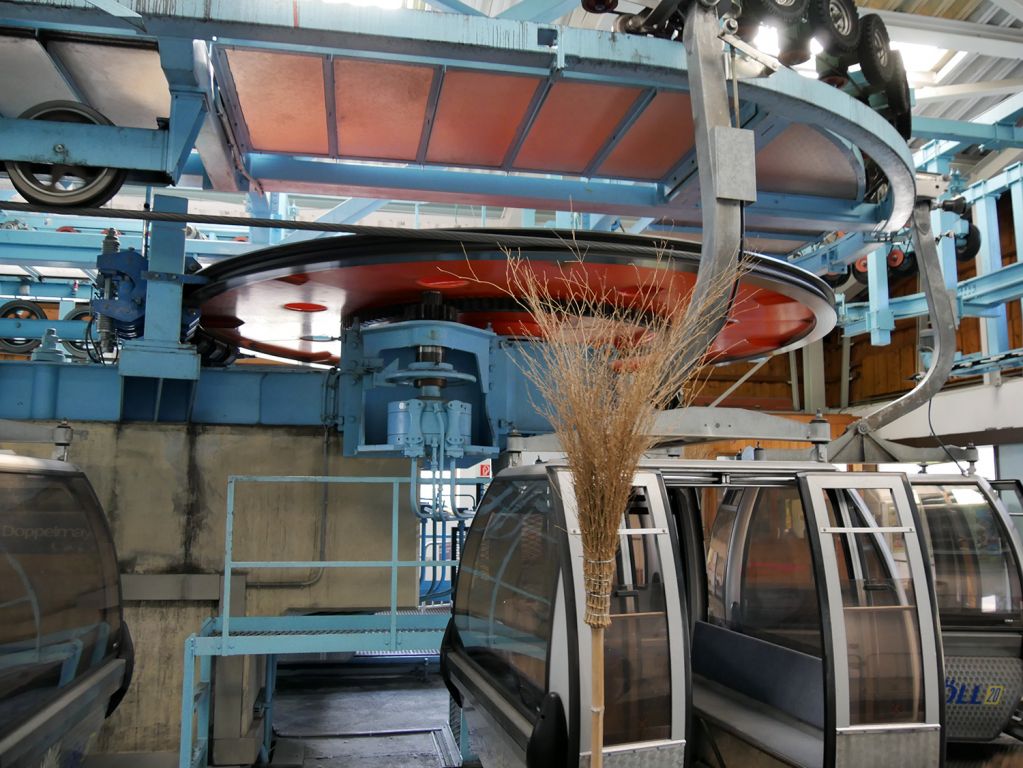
(202, 587)
(904, 747)
(675, 617)
(30, 76)
(558, 678)
(68, 720)
(660, 754)
(766, 730)
(489, 740)
(133, 760)
(982, 693)
(126, 84)
(982, 644)
(9, 463)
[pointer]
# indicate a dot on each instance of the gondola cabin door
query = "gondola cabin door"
(646, 676)
(882, 649)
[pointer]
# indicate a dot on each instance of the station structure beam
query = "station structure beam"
(985, 39)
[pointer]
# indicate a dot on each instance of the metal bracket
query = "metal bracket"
(174, 277)
(931, 186)
(770, 63)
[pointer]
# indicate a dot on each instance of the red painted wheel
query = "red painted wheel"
(250, 301)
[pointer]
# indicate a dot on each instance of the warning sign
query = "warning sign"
(484, 470)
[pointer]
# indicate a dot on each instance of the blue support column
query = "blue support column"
(188, 99)
(941, 222)
(160, 354)
(994, 329)
(259, 207)
(881, 320)
(1016, 191)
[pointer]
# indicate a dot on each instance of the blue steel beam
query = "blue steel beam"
(105, 146)
(455, 6)
(1007, 111)
(977, 297)
(79, 250)
(34, 329)
(813, 214)
(542, 11)
(996, 185)
(348, 212)
(990, 135)
(52, 289)
(994, 328)
(395, 35)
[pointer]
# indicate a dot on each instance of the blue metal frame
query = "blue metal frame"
(269, 636)
(511, 44)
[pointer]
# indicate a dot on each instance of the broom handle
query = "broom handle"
(597, 697)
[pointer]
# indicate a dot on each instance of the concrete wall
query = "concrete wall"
(164, 490)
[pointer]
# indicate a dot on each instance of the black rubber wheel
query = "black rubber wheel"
(835, 279)
(836, 24)
(875, 51)
(968, 247)
(78, 349)
(903, 123)
(20, 310)
(787, 11)
(65, 185)
(901, 263)
(795, 45)
(126, 651)
(897, 87)
(859, 270)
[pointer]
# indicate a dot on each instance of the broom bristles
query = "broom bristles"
(607, 362)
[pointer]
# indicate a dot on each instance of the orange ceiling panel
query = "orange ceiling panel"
(282, 100)
(478, 115)
(803, 161)
(658, 140)
(575, 122)
(380, 108)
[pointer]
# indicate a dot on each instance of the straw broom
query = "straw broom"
(607, 364)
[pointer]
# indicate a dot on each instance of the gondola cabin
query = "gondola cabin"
(65, 652)
(781, 613)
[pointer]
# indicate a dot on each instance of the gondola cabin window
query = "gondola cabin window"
(761, 579)
(506, 589)
(976, 578)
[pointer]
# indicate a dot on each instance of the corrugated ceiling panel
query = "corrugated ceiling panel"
(575, 122)
(380, 108)
(802, 161)
(126, 84)
(282, 100)
(29, 77)
(656, 142)
(478, 115)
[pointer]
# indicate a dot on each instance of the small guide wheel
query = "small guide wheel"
(20, 310)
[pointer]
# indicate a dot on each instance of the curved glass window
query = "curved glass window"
(59, 589)
(506, 588)
(882, 632)
(775, 598)
(976, 576)
(637, 657)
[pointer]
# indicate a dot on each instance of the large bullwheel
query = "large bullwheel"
(65, 184)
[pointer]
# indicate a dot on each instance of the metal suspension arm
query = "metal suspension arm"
(859, 443)
(726, 161)
(943, 319)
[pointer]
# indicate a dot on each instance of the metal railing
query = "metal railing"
(270, 636)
